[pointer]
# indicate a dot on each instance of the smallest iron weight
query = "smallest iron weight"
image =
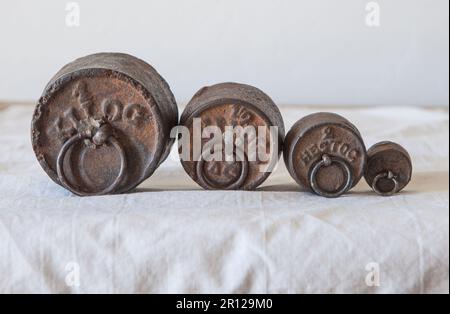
(389, 168)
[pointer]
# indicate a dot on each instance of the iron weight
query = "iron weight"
(103, 124)
(389, 168)
(232, 104)
(325, 154)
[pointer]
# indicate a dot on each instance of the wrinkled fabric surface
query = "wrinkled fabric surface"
(169, 236)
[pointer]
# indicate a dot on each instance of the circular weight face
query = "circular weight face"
(83, 104)
(237, 150)
(340, 143)
(389, 168)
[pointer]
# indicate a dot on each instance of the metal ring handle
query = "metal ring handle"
(325, 162)
(60, 165)
(385, 175)
(234, 185)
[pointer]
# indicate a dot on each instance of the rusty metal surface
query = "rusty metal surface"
(231, 104)
(103, 124)
(389, 168)
(325, 154)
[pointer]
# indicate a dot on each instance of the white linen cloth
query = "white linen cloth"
(171, 237)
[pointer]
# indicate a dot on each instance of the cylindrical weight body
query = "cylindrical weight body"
(244, 129)
(325, 154)
(389, 168)
(103, 124)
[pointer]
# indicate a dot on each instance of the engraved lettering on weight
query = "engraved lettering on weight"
(112, 109)
(135, 114)
(353, 155)
(239, 132)
(206, 122)
(222, 169)
(85, 115)
(84, 98)
(327, 134)
(328, 145)
(344, 149)
(65, 126)
(71, 116)
(241, 116)
(221, 123)
(58, 129)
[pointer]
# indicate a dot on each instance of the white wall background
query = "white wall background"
(298, 51)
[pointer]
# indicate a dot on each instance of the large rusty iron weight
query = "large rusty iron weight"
(103, 124)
